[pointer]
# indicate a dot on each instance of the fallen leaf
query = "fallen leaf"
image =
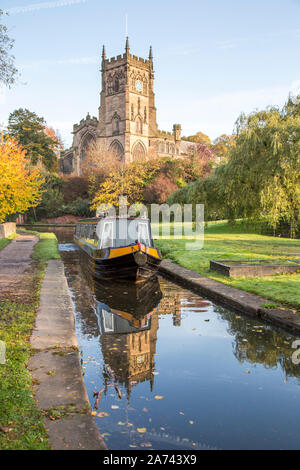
(191, 422)
(158, 397)
(94, 413)
(102, 414)
(114, 407)
(141, 430)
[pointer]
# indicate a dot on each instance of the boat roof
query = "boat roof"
(97, 219)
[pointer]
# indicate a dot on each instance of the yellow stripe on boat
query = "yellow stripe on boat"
(125, 250)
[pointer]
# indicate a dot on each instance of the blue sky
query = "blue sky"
(213, 59)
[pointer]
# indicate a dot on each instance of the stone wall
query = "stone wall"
(7, 229)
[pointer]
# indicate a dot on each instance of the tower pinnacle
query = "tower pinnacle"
(127, 45)
(150, 53)
(103, 52)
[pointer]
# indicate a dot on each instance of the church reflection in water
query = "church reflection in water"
(128, 322)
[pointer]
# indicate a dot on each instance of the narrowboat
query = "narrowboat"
(117, 248)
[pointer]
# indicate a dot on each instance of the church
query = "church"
(126, 125)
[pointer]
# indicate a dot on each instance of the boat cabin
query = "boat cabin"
(115, 232)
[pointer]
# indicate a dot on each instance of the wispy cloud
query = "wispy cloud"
(234, 42)
(40, 6)
(69, 61)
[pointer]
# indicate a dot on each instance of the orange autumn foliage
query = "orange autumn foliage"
(20, 187)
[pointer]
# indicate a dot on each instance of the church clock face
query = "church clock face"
(138, 86)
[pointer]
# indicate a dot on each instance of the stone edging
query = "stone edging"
(55, 368)
(233, 298)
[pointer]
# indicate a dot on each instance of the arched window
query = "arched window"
(116, 125)
(85, 144)
(116, 85)
(109, 84)
(139, 125)
(138, 152)
(116, 149)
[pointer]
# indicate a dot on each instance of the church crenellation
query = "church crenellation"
(126, 124)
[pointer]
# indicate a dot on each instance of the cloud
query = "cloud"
(227, 44)
(217, 114)
(54, 62)
(40, 6)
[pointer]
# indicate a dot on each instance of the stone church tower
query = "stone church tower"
(127, 115)
(126, 124)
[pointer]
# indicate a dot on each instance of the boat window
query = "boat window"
(143, 234)
(107, 235)
(108, 321)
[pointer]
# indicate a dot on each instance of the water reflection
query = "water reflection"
(128, 329)
(225, 380)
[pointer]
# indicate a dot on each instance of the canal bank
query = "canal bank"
(231, 297)
(55, 368)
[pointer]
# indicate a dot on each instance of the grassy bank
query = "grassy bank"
(21, 422)
(223, 241)
(6, 241)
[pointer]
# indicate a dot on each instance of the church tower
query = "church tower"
(127, 114)
(126, 124)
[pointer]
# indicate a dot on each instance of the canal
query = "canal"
(166, 368)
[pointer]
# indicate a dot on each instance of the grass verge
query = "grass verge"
(21, 422)
(223, 241)
(6, 241)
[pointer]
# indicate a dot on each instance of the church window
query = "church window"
(116, 149)
(116, 125)
(116, 85)
(132, 112)
(139, 126)
(139, 152)
(145, 114)
(85, 144)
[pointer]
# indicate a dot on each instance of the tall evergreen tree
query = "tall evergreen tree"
(29, 130)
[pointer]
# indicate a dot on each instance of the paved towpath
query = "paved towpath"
(15, 259)
(55, 367)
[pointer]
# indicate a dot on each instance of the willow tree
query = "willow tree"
(262, 178)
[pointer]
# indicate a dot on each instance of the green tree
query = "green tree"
(8, 70)
(261, 178)
(222, 145)
(29, 130)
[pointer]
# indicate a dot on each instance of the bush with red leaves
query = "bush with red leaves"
(159, 190)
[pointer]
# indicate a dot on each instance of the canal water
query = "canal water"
(166, 368)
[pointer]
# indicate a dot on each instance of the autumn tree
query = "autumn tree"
(199, 138)
(57, 139)
(20, 187)
(8, 70)
(127, 180)
(29, 130)
(98, 164)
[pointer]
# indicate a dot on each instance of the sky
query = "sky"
(213, 59)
